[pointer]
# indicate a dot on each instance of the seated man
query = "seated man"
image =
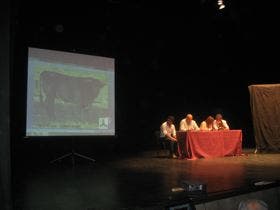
(188, 124)
(219, 123)
(207, 125)
(168, 132)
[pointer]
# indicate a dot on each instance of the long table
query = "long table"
(206, 144)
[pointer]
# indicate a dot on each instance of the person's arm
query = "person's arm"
(167, 135)
(162, 131)
(215, 126)
(182, 126)
(170, 137)
(225, 125)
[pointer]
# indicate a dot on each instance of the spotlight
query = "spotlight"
(221, 4)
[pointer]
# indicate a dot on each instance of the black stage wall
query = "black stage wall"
(5, 156)
(170, 59)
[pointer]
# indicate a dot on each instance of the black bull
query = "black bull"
(76, 90)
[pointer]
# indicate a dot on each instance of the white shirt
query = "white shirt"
(204, 127)
(166, 129)
(184, 126)
(215, 125)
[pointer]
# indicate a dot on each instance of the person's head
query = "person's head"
(209, 120)
(252, 204)
(170, 120)
(189, 118)
(219, 117)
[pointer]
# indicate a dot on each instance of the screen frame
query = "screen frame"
(62, 137)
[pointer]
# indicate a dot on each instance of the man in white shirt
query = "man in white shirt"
(219, 123)
(188, 124)
(168, 132)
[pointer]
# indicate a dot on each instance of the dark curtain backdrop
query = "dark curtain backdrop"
(5, 156)
(265, 107)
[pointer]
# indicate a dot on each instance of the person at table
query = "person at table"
(219, 123)
(168, 132)
(207, 125)
(188, 124)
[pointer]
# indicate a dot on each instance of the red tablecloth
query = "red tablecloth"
(205, 144)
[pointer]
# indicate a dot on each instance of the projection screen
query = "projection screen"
(69, 94)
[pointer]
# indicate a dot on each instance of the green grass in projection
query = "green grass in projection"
(67, 114)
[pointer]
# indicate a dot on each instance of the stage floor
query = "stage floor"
(145, 180)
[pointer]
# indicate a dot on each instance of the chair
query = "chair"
(160, 142)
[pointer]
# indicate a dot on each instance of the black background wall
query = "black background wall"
(171, 58)
(5, 156)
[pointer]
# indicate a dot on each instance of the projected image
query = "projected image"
(69, 94)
